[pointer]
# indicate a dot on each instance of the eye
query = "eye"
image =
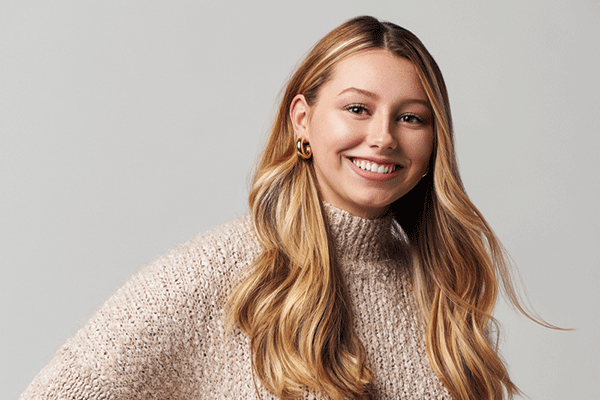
(358, 109)
(411, 118)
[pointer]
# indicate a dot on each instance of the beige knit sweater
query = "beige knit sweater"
(161, 336)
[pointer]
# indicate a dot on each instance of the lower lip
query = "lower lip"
(374, 176)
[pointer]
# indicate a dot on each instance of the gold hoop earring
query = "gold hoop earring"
(426, 172)
(303, 148)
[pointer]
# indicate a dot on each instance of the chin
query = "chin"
(371, 209)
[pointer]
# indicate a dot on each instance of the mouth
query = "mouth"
(374, 167)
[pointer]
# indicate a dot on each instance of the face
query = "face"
(370, 131)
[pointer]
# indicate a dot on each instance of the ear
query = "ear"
(299, 111)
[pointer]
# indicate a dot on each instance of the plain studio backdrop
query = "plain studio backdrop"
(128, 127)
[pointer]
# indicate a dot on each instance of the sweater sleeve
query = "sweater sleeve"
(154, 336)
(130, 347)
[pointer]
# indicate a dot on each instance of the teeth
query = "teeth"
(373, 167)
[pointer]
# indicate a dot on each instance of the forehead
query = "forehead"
(378, 71)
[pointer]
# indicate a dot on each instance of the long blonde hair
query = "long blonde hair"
(293, 305)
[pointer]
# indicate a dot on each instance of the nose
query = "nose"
(382, 133)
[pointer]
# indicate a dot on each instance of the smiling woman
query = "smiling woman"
(363, 271)
(371, 132)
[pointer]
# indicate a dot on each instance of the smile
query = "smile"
(373, 167)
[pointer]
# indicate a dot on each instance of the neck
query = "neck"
(357, 238)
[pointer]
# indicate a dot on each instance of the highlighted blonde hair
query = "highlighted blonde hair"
(293, 305)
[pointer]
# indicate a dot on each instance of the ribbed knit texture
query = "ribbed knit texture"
(161, 336)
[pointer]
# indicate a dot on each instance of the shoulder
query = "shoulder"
(155, 327)
(225, 248)
(194, 279)
(233, 239)
(210, 260)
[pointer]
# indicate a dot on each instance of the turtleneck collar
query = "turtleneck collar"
(361, 239)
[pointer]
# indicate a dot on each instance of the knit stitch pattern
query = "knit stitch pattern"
(162, 336)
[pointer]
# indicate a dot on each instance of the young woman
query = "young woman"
(362, 272)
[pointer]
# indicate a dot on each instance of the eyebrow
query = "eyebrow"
(376, 96)
(359, 91)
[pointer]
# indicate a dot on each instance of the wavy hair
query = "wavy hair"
(293, 304)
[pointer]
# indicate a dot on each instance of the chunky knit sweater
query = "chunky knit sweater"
(161, 336)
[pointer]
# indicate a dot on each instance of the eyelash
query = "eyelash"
(359, 109)
(411, 116)
(357, 106)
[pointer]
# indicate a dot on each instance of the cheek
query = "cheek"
(419, 147)
(331, 131)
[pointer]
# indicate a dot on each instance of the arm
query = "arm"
(131, 348)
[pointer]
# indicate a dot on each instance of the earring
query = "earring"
(426, 172)
(303, 148)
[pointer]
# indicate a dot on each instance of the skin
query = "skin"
(373, 109)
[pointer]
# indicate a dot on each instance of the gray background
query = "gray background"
(129, 126)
